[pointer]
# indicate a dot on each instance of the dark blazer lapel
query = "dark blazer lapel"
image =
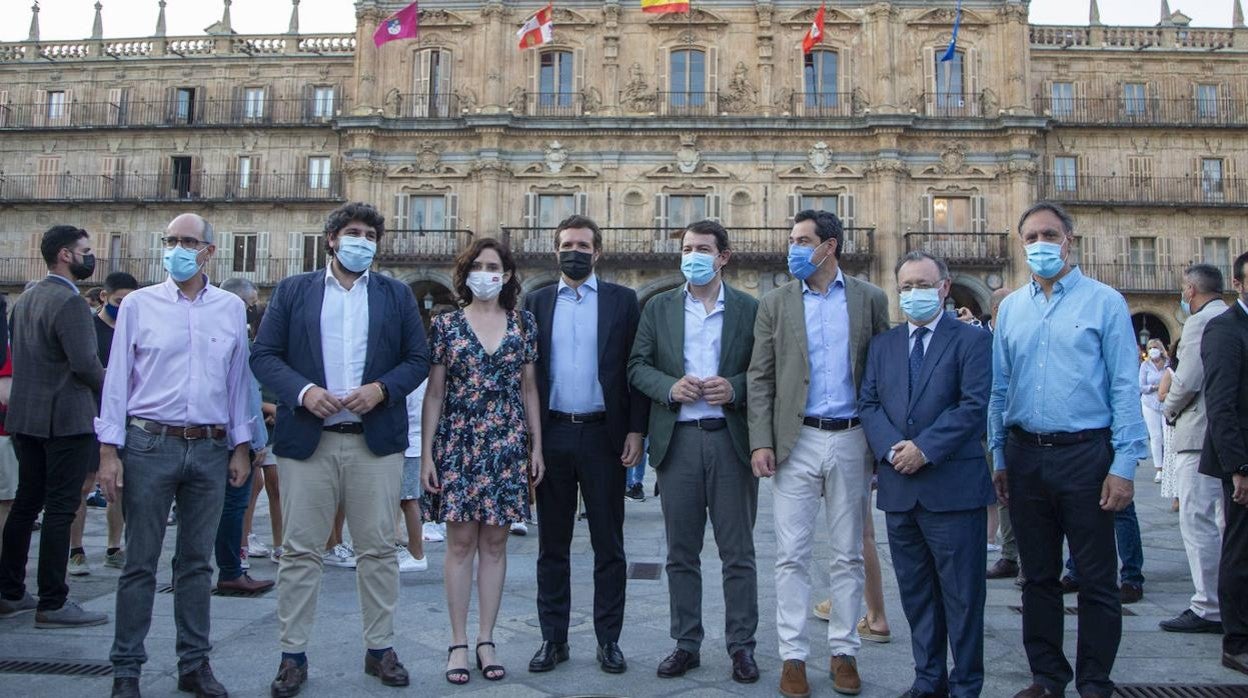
(606, 314)
(941, 339)
(859, 318)
(377, 316)
(313, 298)
(673, 314)
(732, 321)
(795, 325)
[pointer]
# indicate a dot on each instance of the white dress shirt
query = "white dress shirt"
(927, 338)
(344, 340)
(703, 333)
(415, 404)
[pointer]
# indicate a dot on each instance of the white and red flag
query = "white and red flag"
(539, 29)
(814, 35)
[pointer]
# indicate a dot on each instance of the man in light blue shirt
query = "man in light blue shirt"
(1066, 431)
(574, 386)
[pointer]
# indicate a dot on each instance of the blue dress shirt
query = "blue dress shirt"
(831, 392)
(574, 385)
(1067, 363)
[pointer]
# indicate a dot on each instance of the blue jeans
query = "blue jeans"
(636, 474)
(230, 530)
(159, 470)
(1130, 549)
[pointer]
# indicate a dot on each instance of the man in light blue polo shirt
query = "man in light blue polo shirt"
(1066, 431)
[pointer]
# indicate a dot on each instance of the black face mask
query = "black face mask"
(85, 269)
(576, 265)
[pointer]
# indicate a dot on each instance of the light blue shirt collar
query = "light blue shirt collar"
(718, 301)
(838, 281)
(590, 283)
(1064, 284)
(64, 280)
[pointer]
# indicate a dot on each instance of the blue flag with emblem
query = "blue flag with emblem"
(953, 40)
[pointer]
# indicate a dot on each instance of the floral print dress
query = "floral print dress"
(481, 445)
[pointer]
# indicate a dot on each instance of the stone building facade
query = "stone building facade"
(644, 122)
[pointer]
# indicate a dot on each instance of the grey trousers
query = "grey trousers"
(702, 474)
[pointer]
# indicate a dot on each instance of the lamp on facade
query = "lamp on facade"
(1144, 336)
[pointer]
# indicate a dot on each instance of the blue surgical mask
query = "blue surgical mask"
(800, 264)
(181, 263)
(355, 253)
(698, 268)
(1045, 259)
(920, 304)
(112, 310)
(1187, 307)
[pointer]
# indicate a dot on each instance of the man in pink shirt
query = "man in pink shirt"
(173, 415)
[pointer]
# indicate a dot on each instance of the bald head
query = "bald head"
(994, 301)
(191, 225)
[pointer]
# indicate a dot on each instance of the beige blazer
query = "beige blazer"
(1185, 403)
(779, 373)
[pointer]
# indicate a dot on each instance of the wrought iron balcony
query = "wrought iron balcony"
(953, 104)
(554, 104)
(1117, 111)
(171, 187)
(688, 103)
(424, 105)
(1145, 191)
(402, 246)
(823, 105)
(963, 249)
(662, 247)
(1137, 278)
(16, 271)
(130, 113)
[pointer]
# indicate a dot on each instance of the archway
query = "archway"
(1148, 326)
(968, 292)
(650, 289)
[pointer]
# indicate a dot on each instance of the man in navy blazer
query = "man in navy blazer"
(342, 348)
(923, 404)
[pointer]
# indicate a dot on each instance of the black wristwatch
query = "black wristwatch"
(1242, 470)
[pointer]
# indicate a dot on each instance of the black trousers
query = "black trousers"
(579, 456)
(1233, 573)
(50, 475)
(1055, 493)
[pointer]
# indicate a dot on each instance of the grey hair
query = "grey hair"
(1205, 278)
(239, 286)
(918, 256)
(1068, 223)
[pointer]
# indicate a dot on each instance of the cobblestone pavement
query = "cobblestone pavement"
(245, 654)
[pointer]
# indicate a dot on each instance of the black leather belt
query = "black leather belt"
(190, 433)
(578, 418)
(831, 424)
(1060, 438)
(705, 423)
(345, 428)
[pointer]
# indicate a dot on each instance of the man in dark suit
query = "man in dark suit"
(692, 351)
(341, 348)
(57, 379)
(924, 406)
(592, 426)
(1224, 353)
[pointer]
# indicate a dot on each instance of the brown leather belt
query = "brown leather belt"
(190, 433)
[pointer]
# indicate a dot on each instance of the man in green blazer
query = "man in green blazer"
(810, 349)
(690, 356)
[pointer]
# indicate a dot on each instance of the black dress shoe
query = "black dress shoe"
(677, 663)
(126, 688)
(1238, 662)
(611, 658)
(1188, 622)
(1003, 569)
(744, 668)
(290, 679)
(916, 693)
(548, 656)
(202, 683)
(1130, 593)
(1070, 585)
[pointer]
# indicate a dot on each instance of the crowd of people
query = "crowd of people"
(184, 400)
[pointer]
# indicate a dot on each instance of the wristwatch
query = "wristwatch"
(1242, 470)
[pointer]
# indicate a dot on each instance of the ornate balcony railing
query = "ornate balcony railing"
(953, 104)
(1135, 38)
(554, 104)
(1137, 278)
(129, 113)
(1145, 191)
(249, 46)
(688, 103)
(425, 105)
(823, 105)
(963, 249)
(1118, 111)
(16, 271)
(170, 187)
(400, 246)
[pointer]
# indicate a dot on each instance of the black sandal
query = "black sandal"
(493, 672)
(458, 677)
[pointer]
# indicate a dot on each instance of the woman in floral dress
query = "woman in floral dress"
(481, 406)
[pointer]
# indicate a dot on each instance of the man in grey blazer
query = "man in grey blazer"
(1200, 497)
(810, 352)
(57, 378)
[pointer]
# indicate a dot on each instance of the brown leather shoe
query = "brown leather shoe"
(793, 679)
(388, 669)
(290, 679)
(844, 672)
(244, 585)
(1003, 569)
(1035, 690)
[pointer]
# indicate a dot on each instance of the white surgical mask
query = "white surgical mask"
(1154, 353)
(485, 285)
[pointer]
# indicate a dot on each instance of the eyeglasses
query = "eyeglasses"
(185, 242)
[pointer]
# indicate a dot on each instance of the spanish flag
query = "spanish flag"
(662, 6)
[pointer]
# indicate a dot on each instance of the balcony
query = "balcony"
(1133, 38)
(1137, 278)
(1179, 192)
(822, 105)
(1190, 112)
(425, 105)
(557, 105)
(691, 104)
(963, 249)
(652, 246)
(952, 105)
(16, 271)
(167, 187)
(403, 246)
(214, 113)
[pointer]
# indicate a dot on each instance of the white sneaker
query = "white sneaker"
(1157, 477)
(339, 556)
(994, 548)
(78, 566)
(408, 563)
(276, 554)
(519, 528)
(255, 548)
(243, 563)
(433, 532)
